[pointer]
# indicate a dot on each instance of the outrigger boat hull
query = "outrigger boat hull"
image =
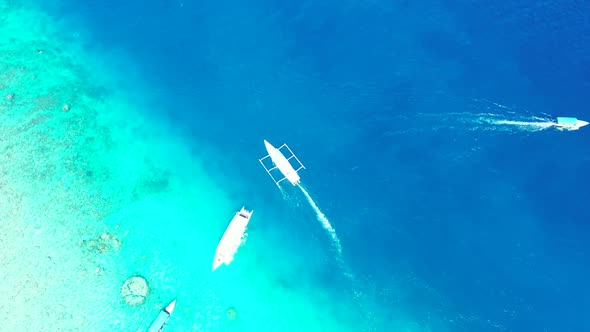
(282, 163)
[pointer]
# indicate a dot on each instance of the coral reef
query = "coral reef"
(103, 243)
(231, 313)
(135, 290)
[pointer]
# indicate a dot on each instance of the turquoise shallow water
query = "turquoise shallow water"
(130, 133)
(97, 191)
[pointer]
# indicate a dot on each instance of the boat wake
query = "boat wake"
(357, 289)
(500, 122)
(359, 296)
(499, 117)
(479, 115)
(325, 222)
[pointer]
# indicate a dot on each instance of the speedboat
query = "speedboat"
(569, 123)
(232, 238)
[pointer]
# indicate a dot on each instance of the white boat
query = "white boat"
(163, 316)
(232, 238)
(569, 123)
(282, 163)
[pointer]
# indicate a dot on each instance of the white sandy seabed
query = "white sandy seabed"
(65, 167)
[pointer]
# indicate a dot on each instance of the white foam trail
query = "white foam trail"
(283, 193)
(359, 296)
(525, 125)
(502, 121)
(325, 222)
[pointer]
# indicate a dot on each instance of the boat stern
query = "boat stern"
(293, 177)
(245, 213)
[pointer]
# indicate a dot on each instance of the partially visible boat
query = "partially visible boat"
(570, 123)
(232, 238)
(163, 316)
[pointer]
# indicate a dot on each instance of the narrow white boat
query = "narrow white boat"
(232, 238)
(163, 316)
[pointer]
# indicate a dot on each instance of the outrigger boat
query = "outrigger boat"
(282, 163)
(163, 316)
(232, 238)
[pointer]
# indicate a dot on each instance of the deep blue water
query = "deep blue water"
(488, 226)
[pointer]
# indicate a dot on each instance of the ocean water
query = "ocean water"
(442, 197)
